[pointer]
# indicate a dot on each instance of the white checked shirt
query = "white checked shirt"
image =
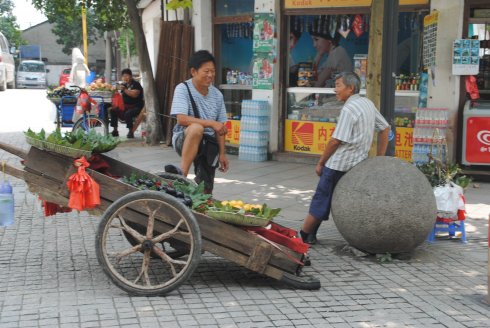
(355, 129)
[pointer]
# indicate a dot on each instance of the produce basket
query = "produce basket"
(238, 219)
(63, 150)
(102, 94)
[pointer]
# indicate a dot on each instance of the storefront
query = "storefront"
(311, 109)
(471, 60)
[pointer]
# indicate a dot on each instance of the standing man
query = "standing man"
(210, 119)
(132, 93)
(349, 145)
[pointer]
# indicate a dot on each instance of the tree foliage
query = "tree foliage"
(8, 23)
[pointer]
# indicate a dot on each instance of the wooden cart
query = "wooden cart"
(148, 242)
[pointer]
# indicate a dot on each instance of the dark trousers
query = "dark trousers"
(127, 116)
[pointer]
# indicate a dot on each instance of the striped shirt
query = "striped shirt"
(210, 107)
(355, 129)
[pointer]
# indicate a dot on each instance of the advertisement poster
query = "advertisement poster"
(311, 138)
(466, 59)
(430, 38)
(263, 68)
(233, 134)
(477, 140)
(263, 36)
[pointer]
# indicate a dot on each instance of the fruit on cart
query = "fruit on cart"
(61, 92)
(239, 207)
(99, 85)
(190, 195)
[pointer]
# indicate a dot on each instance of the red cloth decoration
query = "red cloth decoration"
(97, 163)
(117, 102)
(283, 236)
(472, 87)
(52, 208)
(358, 25)
(84, 191)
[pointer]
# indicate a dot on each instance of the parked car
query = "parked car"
(32, 73)
(64, 76)
(7, 65)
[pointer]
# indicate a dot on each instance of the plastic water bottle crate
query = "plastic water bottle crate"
(253, 154)
(255, 108)
(254, 138)
(254, 123)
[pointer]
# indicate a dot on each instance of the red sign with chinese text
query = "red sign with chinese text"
(478, 140)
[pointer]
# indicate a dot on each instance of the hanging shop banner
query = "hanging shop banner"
(263, 68)
(404, 143)
(466, 57)
(430, 38)
(263, 36)
(312, 137)
(233, 134)
(296, 4)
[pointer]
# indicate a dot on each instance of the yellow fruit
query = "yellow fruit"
(239, 202)
(224, 203)
(246, 207)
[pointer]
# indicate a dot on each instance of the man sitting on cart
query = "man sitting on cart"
(132, 94)
(200, 110)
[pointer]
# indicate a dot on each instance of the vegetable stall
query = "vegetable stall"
(154, 227)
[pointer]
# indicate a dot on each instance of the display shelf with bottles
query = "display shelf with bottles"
(321, 105)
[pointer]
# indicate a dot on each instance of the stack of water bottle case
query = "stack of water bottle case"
(254, 131)
(429, 135)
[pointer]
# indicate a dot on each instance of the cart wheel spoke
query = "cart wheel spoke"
(124, 226)
(144, 269)
(151, 221)
(170, 261)
(129, 251)
(170, 233)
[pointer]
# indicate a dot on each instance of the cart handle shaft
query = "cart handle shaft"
(13, 150)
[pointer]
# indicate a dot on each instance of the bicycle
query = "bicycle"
(87, 121)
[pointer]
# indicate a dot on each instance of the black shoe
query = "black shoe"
(169, 168)
(130, 135)
(115, 133)
(308, 238)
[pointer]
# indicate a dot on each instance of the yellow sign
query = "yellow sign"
(431, 19)
(296, 4)
(404, 143)
(307, 137)
(312, 137)
(233, 135)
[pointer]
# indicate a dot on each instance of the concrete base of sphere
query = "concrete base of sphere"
(384, 205)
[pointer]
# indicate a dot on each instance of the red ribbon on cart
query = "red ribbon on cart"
(84, 191)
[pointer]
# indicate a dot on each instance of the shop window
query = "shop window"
(234, 7)
(345, 39)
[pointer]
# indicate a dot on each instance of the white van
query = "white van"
(7, 66)
(31, 74)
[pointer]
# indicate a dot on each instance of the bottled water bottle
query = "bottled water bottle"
(6, 205)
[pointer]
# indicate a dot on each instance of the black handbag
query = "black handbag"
(209, 147)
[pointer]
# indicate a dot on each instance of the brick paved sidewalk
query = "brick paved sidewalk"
(50, 277)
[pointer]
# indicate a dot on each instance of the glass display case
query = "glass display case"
(312, 114)
(233, 96)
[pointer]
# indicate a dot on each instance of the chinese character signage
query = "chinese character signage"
(233, 134)
(263, 36)
(466, 57)
(430, 38)
(311, 138)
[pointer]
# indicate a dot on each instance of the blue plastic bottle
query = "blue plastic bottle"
(6, 204)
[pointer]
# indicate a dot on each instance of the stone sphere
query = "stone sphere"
(384, 205)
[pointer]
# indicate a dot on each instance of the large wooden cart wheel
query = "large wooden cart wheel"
(133, 266)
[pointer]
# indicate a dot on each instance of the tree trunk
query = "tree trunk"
(153, 129)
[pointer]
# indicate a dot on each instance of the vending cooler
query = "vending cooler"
(476, 133)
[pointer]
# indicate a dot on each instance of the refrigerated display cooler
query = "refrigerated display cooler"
(476, 133)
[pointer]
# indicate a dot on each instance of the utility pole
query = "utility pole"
(84, 32)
